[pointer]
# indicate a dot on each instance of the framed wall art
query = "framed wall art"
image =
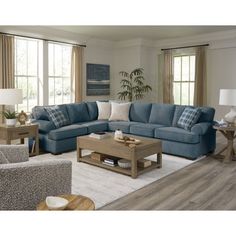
(98, 79)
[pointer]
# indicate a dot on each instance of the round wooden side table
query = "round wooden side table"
(229, 134)
(76, 203)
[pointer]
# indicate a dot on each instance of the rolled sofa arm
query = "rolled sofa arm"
(201, 128)
(45, 126)
(15, 153)
(24, 185)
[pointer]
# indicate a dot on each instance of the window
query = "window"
(27, 72)
(59, 79)
(184, 79)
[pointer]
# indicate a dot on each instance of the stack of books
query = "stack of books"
(111, 161)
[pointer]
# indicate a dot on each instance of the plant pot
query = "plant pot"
(10, 122)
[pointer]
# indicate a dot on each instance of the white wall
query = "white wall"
(221, 73)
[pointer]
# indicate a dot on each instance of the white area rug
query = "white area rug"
(104, 186)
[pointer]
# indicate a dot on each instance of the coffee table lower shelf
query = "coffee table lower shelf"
(87, 159)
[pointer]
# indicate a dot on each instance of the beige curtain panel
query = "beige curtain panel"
(168, 77)
(76, 72)
(6, 61)
(200, 90)
(6, 64)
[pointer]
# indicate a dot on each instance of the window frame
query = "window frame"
(181, 81)
(27, 75)
(54, 77)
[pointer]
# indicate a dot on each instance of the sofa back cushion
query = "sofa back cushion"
(92, 110)
(140, 112)
(207, 114)
(162, 114)
(77, 112)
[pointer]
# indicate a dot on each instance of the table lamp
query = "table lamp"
(228, 98)
(10, 97)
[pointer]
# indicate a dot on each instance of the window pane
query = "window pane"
(177, 93)
(192, 68)
(185, 94)
(185, 68)
(32, 92)
(58, 60)
(51, 59)
(191, 93)
(22, 84)
(177, 68)
(51, 91)
(32, 58)
(21, 57)
(58, 91)
(66, 90)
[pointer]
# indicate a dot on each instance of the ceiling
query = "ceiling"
(117, 33)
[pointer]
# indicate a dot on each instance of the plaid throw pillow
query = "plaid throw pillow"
(188, 118)
(56, 116)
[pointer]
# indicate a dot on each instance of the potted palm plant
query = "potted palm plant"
(133, 86)
(10, 117)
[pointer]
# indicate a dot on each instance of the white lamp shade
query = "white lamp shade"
(11, 96)
(227, 97)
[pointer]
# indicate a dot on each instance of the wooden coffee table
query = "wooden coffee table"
(76, 202)
(109, 146)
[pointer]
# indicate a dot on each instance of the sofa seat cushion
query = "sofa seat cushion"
(124, 126)
(176, 134)
(95, 126)
(144, 129)
(69, 131)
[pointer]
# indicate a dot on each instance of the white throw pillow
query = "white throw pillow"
(104, 110)
(120, 111)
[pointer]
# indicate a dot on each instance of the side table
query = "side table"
(229, 134)
(9, 133)
(76, 203)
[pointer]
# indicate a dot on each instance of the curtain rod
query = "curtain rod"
(49, 40)
(201, 45)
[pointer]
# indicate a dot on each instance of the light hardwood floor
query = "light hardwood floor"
(205, 185)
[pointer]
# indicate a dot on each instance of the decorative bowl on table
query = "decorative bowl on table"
(127, 140)
(56, 203)
(123, 163)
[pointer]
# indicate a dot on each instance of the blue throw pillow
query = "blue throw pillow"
(56, 116)
(188, 118)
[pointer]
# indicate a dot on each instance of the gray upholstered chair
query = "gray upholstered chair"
(24, 183)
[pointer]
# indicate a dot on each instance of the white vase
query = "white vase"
(231, 116)
(10, 122)
(118, 134)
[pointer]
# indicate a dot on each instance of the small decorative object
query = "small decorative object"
(123, 163)
(56, 203)
(133, 85)
(118, 134)
(228, 98)
(98, 79)
(128, 140)
(10, 117)
(22, 117)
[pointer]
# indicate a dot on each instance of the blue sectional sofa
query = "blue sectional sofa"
(146, 119)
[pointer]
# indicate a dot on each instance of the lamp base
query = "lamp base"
(231, 116)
